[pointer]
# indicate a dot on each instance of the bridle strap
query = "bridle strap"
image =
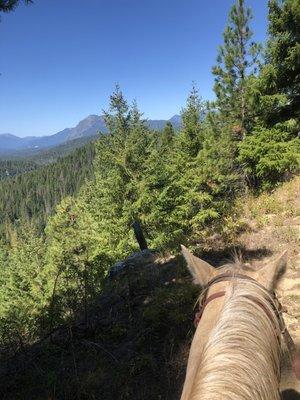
(276, 306)
(214, 296)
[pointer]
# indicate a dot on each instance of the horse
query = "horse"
(237, 346)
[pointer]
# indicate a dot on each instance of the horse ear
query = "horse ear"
(269, 275)
(201, 271)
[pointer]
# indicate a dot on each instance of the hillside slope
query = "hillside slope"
(133, 342)
(33, 195)
(274, 226)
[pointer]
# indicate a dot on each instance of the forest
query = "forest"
(29, 191)
(64, 224)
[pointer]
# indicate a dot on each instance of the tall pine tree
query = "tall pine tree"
(236, 62)
(191, 136)
(280, 76)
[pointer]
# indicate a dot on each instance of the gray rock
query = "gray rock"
(133, 261)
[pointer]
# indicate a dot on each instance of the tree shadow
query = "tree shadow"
(290, 394)
(223, 256)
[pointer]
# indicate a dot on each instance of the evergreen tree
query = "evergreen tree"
(280, 76)
(117, 118)
(180, 186)
(169, 209)
(120, 163)
(10, 5)
(236, 62)
(32, 196)
(72, 279)
(191, 137)
(192, 189)
(269, 156)
(22, 297)
(271, 153)
(167, 135)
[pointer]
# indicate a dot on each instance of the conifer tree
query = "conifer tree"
(280, 76)
(236, 62)
(191, 134)
(22, 297)
(10, 5)
(71, 277)
(167, 135)
(269, 155)
(272, 151)
(120, 165)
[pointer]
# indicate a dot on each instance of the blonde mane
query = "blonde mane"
(241, 359)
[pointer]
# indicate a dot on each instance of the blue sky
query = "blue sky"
(60, 59)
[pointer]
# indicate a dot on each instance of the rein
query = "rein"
(275, 304)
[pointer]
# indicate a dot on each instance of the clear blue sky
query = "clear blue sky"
(60, 59)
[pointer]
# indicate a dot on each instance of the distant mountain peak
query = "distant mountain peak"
(8, 135)
(85, 128)
(176, 119)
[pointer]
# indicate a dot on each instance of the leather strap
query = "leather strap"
(214, 296)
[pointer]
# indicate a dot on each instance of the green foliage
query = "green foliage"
(237, 62)
(191, 135)
(180, 186)
(132, 349)
(9, 168)
(40, 156)
(269, 155)
(10, 5)
(167, 135)
(187, 189)
(119, 167)
(33, 195)
(23, 291)
(72, 277)
(280, 77)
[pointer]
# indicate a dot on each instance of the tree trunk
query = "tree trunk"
(139, 235)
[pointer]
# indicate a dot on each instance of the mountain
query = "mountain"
(86, 128)
(8, 141)
(175, 121)
(159, 124)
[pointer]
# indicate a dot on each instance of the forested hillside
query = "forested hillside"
(11, 168)
(183, 187)
(34, 191)
(46, 156)
(133, 340)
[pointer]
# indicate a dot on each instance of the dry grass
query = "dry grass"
(274, 224)
(284, 202)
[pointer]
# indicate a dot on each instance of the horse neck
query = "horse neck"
(241, 357)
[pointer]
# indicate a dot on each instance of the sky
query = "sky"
(60, 59)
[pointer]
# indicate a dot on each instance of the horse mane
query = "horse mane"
(241, 359)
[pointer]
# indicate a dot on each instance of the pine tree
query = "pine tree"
(10, 5)
(191, 137)
(120, 164)
(237, 61)
(280, 76)
(167, 135)
(269, 156)
(71, 276)
(22, 296)
(117, 118)
(271, 152)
